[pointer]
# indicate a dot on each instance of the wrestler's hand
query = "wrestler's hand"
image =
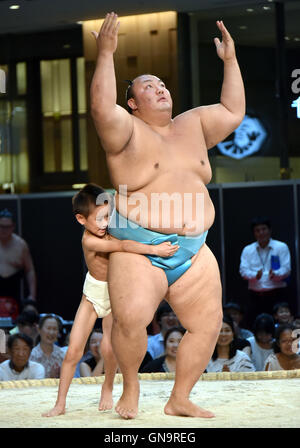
(225, 49)
(107, 38)
(166, 249)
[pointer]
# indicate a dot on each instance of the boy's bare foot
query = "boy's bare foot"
(127, 406)
(106, 401)
(184, 407)
(57, 410)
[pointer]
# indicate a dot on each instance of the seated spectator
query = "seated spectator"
(47, 352)
(166, 318)
(19, 367)
(94, 365)
(285, 356)
(296, 322)
(282, 314)
(29, 305)
(27, 323)
(262, 341)
(167, 362)
(235, 312)
(5, 355)
(227, 357)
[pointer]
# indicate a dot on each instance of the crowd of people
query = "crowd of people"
(38, 343)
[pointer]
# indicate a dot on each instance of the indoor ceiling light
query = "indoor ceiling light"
(249, 10)
(14, 7)
(242, 27)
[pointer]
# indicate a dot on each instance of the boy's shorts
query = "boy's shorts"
(96, 292)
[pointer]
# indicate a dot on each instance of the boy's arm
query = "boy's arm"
(97, 244)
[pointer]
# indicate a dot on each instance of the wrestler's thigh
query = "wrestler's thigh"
(197, 294)
(135, 287)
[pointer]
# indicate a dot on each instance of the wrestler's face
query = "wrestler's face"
(286, 342)
(262, 234)
(49, 331)
(97, 221)
(20, 353)
(226, 335)
(6, 228)
(150, 93)
(172, 343)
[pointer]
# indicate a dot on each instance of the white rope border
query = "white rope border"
(160, 376)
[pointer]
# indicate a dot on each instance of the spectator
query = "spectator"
(282, 314)
(265, 264)
(47, 352)
(235, 312)
(15, 260)
(166, 318)
(227, 357)
(296, 322)
(262, 341)
(167, 362)
(5, 355)
(94, 365)
(285, 356)
(27, 323)
(19, 367)
(30, 305)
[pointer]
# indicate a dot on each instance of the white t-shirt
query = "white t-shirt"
(32, 371)
(258, 354)
(254, 258)
(273, 362)
(239, 363)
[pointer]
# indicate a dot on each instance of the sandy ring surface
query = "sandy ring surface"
(238, 400)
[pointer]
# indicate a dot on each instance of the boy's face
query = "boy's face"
(97, 221)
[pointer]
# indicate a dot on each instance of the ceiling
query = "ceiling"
(39, 15)
(250, 22)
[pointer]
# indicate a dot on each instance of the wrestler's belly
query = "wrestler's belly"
(185, 209)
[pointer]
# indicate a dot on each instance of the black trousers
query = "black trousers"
(262, 302)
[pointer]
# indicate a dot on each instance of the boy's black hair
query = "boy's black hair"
(87, 197)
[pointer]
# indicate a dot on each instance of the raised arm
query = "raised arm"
(220, 120)
(113, 123)
(114, 245)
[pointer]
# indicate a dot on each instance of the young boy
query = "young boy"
(95, 303)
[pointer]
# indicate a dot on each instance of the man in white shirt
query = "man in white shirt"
(266, 264)
(18, 367)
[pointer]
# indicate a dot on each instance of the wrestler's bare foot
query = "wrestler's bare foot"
(57, 410)
(127, 406)
(184, 407)
(106, 401)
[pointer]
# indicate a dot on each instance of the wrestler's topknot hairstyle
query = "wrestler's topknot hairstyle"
(129, 94)
(86, 197)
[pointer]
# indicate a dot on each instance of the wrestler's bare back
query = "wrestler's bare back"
(175, 161)
(12, 256)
